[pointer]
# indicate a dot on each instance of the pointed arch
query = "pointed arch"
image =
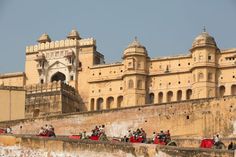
(99, 104)
(233, 89)
(110, 102)
(169, 96)
(179, 95)
(151, 98)
(160, 97)
(92, 104)
(221, 91)
(120, 101)
(189, 94)
(58, 76)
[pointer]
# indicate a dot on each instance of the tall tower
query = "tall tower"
(135, 75)
(204, 54)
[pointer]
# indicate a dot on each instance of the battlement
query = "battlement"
(49, 87)
(50, 99)
(60, 44)
(87, 42)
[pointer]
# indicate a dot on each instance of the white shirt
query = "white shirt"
(8, 130)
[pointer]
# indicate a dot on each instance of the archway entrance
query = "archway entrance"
(58, 77)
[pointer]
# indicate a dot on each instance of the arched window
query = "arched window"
(169, 96)
(221, 91)
(210, 77)
(179, 95)
(160, 97)
(233, 89)
(188, 94)
(200, 76)
(110, 102)
(58, 76)
(99, 104)
(92, 104)
(131, 84)
(119, 101)
(139, 84)
(151, 98)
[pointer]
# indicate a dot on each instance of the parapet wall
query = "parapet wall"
(60, 44)
(51, 98)
(111, 149)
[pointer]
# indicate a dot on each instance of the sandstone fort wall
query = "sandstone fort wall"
(193, 118)
(97, 148)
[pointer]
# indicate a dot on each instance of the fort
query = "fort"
(67, 83)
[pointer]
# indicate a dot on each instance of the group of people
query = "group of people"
(47, 130)
(162, 136)
(98, 130)
(139, 133)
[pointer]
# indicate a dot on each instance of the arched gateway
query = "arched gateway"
(58, 76)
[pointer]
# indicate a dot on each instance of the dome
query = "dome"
(135, 43)
(73, 34)
(204, 39)
(44, 38)
(135, 48)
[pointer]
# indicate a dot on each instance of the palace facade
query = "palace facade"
(206, 71)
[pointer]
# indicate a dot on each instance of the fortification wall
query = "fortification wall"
(51, 98)
(193, 118)
(68, 147)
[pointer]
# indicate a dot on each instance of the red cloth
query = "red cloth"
(95, 138)
(207, 143)
(2, 131)
(158, 141)
(75, 137)
(138, 140)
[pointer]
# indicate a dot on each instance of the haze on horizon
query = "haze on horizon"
(165, 28)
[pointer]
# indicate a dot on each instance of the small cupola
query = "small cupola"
(44, 38)
(73, 34)
(204, 39)
(135, 48)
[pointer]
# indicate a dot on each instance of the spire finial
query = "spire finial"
(136, 38)
(204, 28)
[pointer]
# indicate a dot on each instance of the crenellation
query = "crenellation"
(51, 45)
(60, 44)
(87, 42)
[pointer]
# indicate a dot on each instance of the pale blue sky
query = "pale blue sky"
(165, 27)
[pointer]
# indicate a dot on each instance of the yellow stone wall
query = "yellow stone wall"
(12, 79)
(12, 103)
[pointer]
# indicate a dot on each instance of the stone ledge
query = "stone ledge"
(146, 150)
